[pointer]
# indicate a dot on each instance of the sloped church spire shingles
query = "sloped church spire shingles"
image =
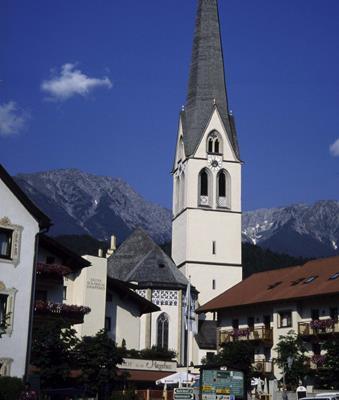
(139, 259)
(207, 87)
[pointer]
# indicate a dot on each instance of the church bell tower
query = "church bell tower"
(206, 231)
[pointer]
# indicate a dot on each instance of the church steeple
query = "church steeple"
(206, 87)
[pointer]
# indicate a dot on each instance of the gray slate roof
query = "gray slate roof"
(139, 259)
(207, 80)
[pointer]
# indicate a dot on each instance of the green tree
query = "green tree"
(97, 357)
(10, 387)
(329, 372)
(237, 355)
(52, 352)
(291, 350)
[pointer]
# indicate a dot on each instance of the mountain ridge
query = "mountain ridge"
(81, 203)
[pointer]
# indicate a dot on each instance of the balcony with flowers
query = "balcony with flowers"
(70, 314)
(52, 271)
(318, 327)
(260, 334)
(316, 361)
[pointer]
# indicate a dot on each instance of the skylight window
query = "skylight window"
(310, 279)
(334, 276)
(274, 285)
(297, 281)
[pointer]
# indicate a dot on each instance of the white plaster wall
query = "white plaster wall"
(202, 276)
(179, 238)
(88, 288)
(20, 278)
(127, 323)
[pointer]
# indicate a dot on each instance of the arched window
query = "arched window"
(162, 331)
(224, 192)
(176, 195)
(203, 183)
(216, 146)
(214, 143)
(182, 192)
(222, 184)
(204, 188)
(210, 145)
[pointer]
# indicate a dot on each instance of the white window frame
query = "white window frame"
(214, 136)
(14, 257)
(10, 293)
(5, 366)
(225, 201)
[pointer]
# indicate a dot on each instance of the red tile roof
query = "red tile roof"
(280, 284)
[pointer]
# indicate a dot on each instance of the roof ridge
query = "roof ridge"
(129, 276)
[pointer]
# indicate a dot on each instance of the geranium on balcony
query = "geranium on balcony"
(72, 311)
(52, 270)
(318, 359)
(322, 323)
(240, 333)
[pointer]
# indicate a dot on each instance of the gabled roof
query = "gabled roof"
(124, 289)
(315, 278)
(139, 259)
(207, 87)
(69, 258)
(42, 219)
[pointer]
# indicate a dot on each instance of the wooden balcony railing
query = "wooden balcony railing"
(261, 334)
(318, 327)
(71, 314)
(265, 367)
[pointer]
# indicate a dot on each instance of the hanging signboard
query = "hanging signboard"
(218, 384)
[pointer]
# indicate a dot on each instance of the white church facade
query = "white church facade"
(206, 237)
(206, 230)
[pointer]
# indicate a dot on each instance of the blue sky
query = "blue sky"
(98, 85)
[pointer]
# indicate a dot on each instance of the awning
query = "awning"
(178, 377)
(143, 376)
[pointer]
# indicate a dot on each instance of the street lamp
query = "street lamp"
(290, 360)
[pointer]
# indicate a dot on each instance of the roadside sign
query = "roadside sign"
(221, 384)
(183, 394)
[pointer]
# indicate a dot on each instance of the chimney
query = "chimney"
(113, 247)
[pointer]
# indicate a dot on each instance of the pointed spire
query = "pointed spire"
(206, 87)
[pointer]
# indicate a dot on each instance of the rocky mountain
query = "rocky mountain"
(299, 230)
(80, 203)
(83, 204)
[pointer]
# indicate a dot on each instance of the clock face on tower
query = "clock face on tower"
(214, 163)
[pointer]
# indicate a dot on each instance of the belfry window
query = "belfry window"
(223, 186)
(204, 189)
(214, 143)
(204, 184)
(162, 331)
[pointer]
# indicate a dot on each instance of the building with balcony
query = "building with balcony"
(115, 305)
(54, 264)
(269, 304)
(21, 224)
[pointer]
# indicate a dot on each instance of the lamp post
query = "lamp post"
(290, 360)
